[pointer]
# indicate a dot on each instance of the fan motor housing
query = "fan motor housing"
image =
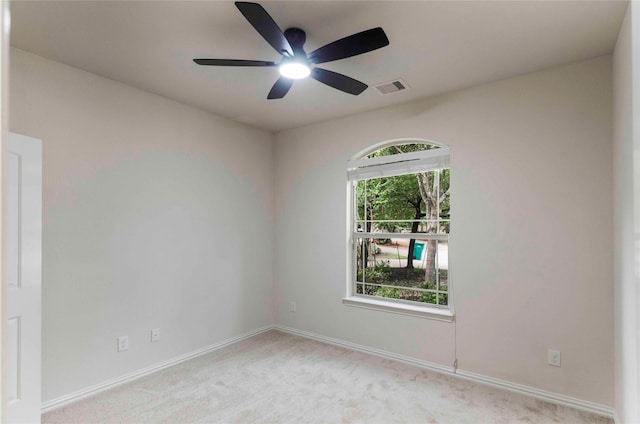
(296, 37)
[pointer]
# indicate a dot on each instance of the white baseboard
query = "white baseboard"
(583, 405)
(366, 349)
(502, 384)
(110, 384)
(616, 420)
(556, 398)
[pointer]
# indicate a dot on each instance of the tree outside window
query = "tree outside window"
(401, 223)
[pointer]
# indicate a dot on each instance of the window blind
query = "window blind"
(403, 163)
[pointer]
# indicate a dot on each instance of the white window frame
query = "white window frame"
(363, 168)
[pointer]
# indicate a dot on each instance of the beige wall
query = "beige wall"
(626, 194)
(155, 215)
(531, 237)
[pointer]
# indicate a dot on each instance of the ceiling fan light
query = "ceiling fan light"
(294, 70)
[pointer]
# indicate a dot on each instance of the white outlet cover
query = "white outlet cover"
(554, 358)
(123, 343)
(155, 334)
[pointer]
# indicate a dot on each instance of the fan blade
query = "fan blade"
(265, 25)
(352, 45)
(339, 81)
(233, 62)
(280, 88)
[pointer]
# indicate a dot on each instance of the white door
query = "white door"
(23, 278)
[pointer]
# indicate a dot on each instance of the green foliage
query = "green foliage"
(431, 297)
(388, 292)
(398, 197)
(380, 273)
(445, 207)
(402, 282)
(387, 199)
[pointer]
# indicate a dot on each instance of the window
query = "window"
(399, 230)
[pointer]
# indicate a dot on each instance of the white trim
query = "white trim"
(118, 381)
(366, 349)
(414, 236)
(402, 308)
(583, 405)
(556, 398)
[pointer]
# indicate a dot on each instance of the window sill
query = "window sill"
(399, 308)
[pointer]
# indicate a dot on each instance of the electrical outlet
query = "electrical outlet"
(553, 357)
(294, 307)
(123, 343)
(155, 334)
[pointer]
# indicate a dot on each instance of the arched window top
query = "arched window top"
(390, 147)
(398, 157)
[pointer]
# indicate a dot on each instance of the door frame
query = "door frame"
(4, 130)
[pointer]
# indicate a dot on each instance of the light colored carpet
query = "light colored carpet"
(280, 378)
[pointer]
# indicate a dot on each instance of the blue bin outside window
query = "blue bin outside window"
(418, 248)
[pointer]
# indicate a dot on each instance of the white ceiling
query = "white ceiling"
(435, 46)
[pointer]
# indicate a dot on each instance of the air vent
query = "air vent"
(391, 87)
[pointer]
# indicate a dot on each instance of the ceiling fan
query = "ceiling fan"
(295, 63)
